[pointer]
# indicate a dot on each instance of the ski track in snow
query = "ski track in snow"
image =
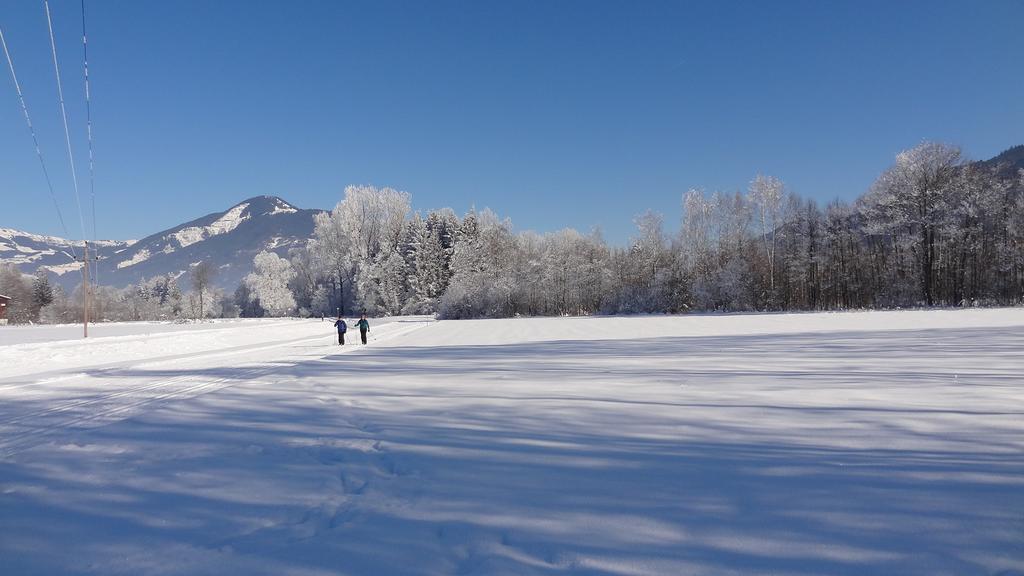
(36, 427)
(806, 444)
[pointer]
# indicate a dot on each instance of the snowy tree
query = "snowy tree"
(201, 275)
(430, 260)
(356, 240)
(60, 311)
(269, 283)
(643, 271)
(767, 193)
(698, 241)
(910, 201)
(42, 293)
(247, 302)
(481, 283)
(390, 275)
(18, 287)
(373, 219)
(563, 272)
(226, 306)
(305, 281)
(321, 302)
(331, 248)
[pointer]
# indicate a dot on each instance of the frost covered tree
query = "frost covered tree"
(389, 283)
(18, 287)
(481, 283)
(415, 243)
(226, 306)
(573, 272)
(643, 272)
(42, 293)
(269, 283)
(356, 241)
(59, 311)
(799, 242)
(910, 202)
(767, 194)
(247, 302)
(429, 261)
(331, 249)
(373, 219)
(303, 285)
(321, 302)
(698, 238)
(731, 285)
(156, 298)
(201, 275)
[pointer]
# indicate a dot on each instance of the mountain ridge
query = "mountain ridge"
(229, 239)
(1007, 162)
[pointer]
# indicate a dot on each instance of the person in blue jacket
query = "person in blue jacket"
(342, 328)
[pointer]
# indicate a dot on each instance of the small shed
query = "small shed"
(4, 301)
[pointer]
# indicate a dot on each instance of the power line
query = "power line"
(64, 114)
(88, 126)
(35, 140)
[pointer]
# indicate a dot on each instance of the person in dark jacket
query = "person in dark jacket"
(364, 327)
(342, 328)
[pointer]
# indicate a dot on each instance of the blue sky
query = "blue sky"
(554, 113)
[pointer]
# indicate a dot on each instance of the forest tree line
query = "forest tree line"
(933, 230)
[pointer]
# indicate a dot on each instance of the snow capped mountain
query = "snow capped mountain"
(56, 255)
(229, 240)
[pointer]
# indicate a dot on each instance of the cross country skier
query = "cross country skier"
(342, 328)
(364, 327)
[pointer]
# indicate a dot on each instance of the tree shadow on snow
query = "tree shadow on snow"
(869, 453)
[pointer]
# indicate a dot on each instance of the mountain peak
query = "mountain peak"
(266, 205)
(228, 239)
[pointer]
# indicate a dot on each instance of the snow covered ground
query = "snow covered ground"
(797, 444)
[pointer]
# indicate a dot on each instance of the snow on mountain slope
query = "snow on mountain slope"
(226, 223)
(228, 239)
(282, 207)
(783, 444)
(62, 269)
(30, 251)
(139, 256)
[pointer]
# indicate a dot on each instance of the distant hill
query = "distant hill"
(1008, 162)
(31, 251)
(229, 240)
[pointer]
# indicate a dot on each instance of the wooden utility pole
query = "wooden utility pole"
(85, 285)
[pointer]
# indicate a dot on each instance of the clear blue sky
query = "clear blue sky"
(554, 113)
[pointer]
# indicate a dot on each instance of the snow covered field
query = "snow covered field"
(799, 444)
